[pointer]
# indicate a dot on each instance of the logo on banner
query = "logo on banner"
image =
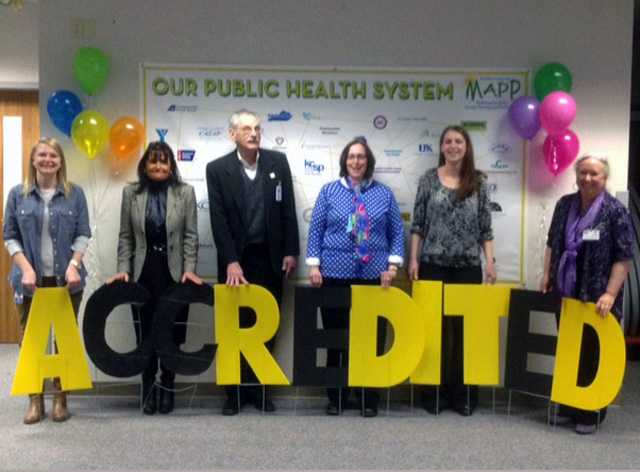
(392, 152)
(500, 148)
(183, 108)
(282, 116)
(491, 92)
(162, 133)
(280, 140)
(203, 205)
(206, 132)
(499, 164)
(388, 170)
(380, 122)
(425, 149)
(186, 155)
(308, 116)
(330, 130)
(313, 168)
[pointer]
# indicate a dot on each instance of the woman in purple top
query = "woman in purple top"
(588, 256)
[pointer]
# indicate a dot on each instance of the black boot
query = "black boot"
(166, 392)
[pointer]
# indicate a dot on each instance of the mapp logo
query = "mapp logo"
(492, 88)
(313, 168)
(183, 108)
(186, 155)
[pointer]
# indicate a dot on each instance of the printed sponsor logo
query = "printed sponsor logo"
(330, 130)
(280, 140)
(495, 207)
(500, 148)
(492, 187)
(413, 118)
(186, 155)
(162, 133)
(315, 146)
(491, 92)
(392, 152)
(388, 170)
(313, 168)
(203, 205)
(206, 132)
(380, 122)
(426, 149)
(499, 164)
(308, 116)
(282, 116)
(474, 125)
(183, 108)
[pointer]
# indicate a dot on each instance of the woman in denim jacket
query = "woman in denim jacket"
(46, 232)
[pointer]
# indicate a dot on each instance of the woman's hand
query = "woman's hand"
(72, 276)
(315, 276)
(29, 279)
(414, 269)
(605, 304)
(387, 276)
(490, 275)
(123, 276)
(544, 283)
(191, 277)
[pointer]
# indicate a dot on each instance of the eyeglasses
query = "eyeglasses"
(248, 130)
(356, 157)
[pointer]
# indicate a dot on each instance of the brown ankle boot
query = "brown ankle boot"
(59, 410)
(35, 412)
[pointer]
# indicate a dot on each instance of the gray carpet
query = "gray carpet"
(109, 433)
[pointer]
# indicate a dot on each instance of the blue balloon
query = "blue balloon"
(63, 107)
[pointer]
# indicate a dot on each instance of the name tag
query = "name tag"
(279, 192)
(591, 235)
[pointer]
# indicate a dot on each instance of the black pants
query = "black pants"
(258, 270)
(338, 318)
(452, 391)
(587, 370)
(156, 278)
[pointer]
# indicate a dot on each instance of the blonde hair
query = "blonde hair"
(601, 159)
(61, 175)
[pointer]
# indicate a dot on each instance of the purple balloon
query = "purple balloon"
(525, 117)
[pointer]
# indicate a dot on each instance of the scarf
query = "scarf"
(358, 223)
(566, 280)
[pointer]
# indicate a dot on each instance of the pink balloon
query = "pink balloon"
(560, 150)
(557, 112)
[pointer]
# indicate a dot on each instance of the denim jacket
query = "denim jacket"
(68, 226)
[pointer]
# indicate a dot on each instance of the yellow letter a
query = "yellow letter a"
(51, 306)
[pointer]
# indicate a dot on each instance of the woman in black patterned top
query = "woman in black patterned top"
(451, 227)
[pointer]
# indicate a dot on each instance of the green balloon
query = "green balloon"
(91, 67)
(552, 77)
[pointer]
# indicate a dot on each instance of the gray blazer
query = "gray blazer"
(182, 230)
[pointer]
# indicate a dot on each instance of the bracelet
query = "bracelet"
(75, 264)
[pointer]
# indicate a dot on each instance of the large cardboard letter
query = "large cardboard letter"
(233, 341)
(308, 338)
(365, 368)
(481, 306)
(611, 365)
(428, 296)
(51, 307)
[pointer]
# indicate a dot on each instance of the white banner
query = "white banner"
(310, 114)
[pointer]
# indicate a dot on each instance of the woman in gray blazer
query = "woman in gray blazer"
(157, 247)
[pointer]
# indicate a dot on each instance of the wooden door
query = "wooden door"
(23, 104)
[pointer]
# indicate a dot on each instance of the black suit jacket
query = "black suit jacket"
(226, 203)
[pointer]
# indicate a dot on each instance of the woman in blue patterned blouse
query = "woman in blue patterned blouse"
(356, 237)
(588, 256)
(451, 226)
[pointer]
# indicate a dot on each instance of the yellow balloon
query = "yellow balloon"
(90, 132)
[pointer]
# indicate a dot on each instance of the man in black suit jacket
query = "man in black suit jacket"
(254, 225)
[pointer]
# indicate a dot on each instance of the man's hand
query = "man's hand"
(289, 264)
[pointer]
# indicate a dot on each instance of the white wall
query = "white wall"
(19, 47)
(593, 38)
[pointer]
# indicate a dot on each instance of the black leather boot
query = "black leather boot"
(149, 403)
(167, 393)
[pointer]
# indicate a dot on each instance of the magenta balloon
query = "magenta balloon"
(524, 115)
(560, 150)
(557, 112)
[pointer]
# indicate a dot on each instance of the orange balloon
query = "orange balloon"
(126, 137)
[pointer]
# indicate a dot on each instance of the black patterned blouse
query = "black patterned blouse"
(595, 258)
(453, 230)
